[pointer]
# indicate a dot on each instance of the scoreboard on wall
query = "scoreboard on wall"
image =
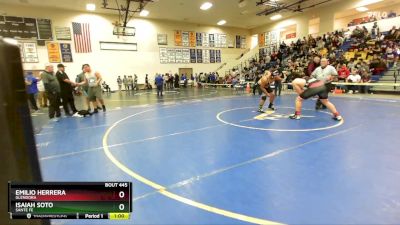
(62, 200)
(25, 28)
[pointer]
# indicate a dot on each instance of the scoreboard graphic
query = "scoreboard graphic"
(70, 200)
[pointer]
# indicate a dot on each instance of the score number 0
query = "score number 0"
(121, 206)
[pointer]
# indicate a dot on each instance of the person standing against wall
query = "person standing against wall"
(52, 87)
(66, 84)
(32, 89)
(119, 82)
(125, 82)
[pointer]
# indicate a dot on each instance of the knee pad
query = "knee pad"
(264, 98)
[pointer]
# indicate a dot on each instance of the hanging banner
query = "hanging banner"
(206, 56)
(163, 55)
(30, 52)
(185, 39)
(261, 40)
(205, 40)
(63, 33)
(162, 39)
(217, 44)
(199, 39)
(212, 56)
(243, 42)
(238, 41)
(185, 55)
(192, 55)
(178, 38)
(211, 40)
(223, 40)
(66, 52)
(199, 55)
(171, 55)
(53, 50)
(192, 39)
(178, 55)
(218, 56)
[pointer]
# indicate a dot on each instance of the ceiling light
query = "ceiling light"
(144, 13)
(362, 9)
(206, 6)
(90, 7)
(276, 17)
(221, 22)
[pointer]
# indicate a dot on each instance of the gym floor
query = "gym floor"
(204, 156)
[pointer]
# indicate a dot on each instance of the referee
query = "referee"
(319, 85)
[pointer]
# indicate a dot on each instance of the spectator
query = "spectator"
(159, 82)
(354, 77)
(42, 97)
(125, 82)
(66, 90)
(343, 73)
(32, 90)
(365, 78)
(52, 87)
(130, 83)
(119, 82)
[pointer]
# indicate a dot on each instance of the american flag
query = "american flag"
(81, 37)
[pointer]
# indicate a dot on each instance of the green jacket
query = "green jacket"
(50, 82)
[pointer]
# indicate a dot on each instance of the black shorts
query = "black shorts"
(269, 89)
(318, 88)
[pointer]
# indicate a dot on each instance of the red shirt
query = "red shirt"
(343, 72)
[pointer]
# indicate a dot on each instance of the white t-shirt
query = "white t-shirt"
(40, 85)
(354, 78)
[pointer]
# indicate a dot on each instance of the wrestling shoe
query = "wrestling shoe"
(271, 107)
(260, 111)
(295, 117)
(337, 118)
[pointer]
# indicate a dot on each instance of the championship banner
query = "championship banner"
(261, 39)
(217, 43)
(178, 55)
(243, 43)
(211, 40)
(30, 52)
(218, 56)
(199, 39)
(192, 39)
(199, 55)
(163, 55)
(63, 33)
(205, 40)
(178, 38)
(185, 55)
(66, 52)
(53, 50)
(171, 55)
(238, 41)
(212, 56)
(206, 56)
(185, 39)
(192, 55)
(223, 40)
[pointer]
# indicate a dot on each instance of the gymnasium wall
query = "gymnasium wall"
(113, 63)
(342, 21)
(326, 15)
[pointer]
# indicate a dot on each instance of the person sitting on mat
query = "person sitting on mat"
(319, 85)
(264, 85)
